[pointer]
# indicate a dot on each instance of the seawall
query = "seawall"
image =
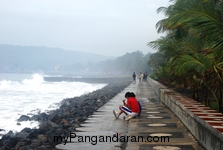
(205, 124)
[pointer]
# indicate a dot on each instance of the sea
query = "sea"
(30, 94)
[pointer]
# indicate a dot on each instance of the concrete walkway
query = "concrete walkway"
(157, 128)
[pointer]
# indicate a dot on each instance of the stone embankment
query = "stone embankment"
(63, 121)
(205, 124)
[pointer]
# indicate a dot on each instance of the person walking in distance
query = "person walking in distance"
(134, 77)
(140, 77)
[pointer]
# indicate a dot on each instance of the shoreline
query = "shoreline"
(86, 80)
(61, 122)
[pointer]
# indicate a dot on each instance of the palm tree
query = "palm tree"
(194, 43)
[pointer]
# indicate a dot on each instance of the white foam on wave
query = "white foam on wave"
(36, 79)
(34, 95)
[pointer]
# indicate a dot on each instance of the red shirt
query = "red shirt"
(133, 104)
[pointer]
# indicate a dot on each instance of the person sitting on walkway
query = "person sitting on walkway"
(132, 108)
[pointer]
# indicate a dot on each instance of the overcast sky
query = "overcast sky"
(107, 27)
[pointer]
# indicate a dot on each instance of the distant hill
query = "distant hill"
(31, 58)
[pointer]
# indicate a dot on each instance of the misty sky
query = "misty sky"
(107, 27)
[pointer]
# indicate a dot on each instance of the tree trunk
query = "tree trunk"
(197, 95)
(193, 92)
(206, 98)
(220, 107)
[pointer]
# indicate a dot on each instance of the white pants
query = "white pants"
(129, 111)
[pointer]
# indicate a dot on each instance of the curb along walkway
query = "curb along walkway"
(157, 124)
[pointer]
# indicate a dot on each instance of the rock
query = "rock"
(33, 134)
(26, 140)
(9, 134)
(42, 137)
(27, 130)
(9, 142)
(55, 118)
(24, 118)
(65, 123)
(44, 127)
(43, 117)
(5, 142)
(42, 148)
(51, 123)
(55, 131)
(19, 145)
(36, 143)
(23, 148)
(36, 118)
(3, 147)
(21, 135)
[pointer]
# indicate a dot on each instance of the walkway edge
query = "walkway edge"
(205, 124)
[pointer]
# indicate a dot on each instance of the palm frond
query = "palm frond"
(187, 63)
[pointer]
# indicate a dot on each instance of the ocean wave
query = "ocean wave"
(33, 80)
(36, 79)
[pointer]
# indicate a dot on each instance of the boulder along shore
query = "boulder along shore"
(61, 122)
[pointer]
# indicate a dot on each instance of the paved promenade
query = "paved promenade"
(156, 129)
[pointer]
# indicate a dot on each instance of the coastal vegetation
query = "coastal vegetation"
(126, 64)
(190, 55)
